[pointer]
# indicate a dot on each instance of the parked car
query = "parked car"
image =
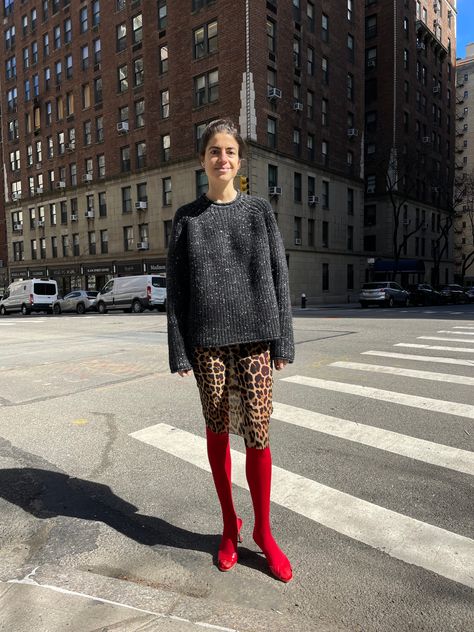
(424, 294)
(386, 293)
(470, 293)
(29, 295)
(133, 293)
(453, 293)
(79, 301)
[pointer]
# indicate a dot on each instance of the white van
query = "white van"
(133, 294)
(30, 295)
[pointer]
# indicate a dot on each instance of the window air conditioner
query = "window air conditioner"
(274, 93)
(274, 191)
(352, 132)
(90, 214)
(87, 177)
(297, 241)
(298, 106)
(436, 89)
(122, 127)
(426, 139)
(39, 191)
(141, 206)
(371, 188)
(73, 217)
(18, 226)
(313, 199)
(142, 245)
(61, 184)
(40, 223)
(371, 63)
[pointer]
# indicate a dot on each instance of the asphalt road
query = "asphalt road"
(104, 487)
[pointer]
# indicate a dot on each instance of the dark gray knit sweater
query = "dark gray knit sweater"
(227, 279)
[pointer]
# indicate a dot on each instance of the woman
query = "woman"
(229, 317)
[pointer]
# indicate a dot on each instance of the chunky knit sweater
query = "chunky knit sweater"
(227, 279)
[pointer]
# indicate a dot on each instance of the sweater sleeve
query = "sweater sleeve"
(177, 296)
(282, 347)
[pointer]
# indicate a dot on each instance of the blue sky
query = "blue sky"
(465, 26)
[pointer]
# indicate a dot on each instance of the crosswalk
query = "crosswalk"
(400, 536)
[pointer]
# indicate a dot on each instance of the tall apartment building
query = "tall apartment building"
(104, 104)
(410, 102)
(464, 165)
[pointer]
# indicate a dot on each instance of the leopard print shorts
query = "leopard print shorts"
(235, 385)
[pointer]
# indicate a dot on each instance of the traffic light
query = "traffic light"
(244, 184)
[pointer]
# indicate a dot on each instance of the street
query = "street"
(105, 489)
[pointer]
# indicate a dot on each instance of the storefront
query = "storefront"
(68, 278)
(157, 266)
(407, 270)
(96, 276)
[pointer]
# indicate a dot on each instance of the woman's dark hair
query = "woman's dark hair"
(220, 126)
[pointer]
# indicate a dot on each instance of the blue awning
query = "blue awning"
(404, 265)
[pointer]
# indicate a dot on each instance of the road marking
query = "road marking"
(455, 313)
(412, 541)
(433, 347)
(393, 370)
(456, 333)
(415, 401)
(419, 358)
(462, 327)
(410, 447)
(440, 338)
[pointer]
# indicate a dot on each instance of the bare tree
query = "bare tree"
(467, 214)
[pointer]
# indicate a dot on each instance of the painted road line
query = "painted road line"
(415, 401)
(456, 333)
(462, 327)
(418, 358)
(394, 370)
(410, 447)
(413, 345)
(440, 338)
(412, 541)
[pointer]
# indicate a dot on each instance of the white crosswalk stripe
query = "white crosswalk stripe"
(457, 333)
(415, 401)
(462, 327)
(410, 447)
(419, 358)
(443, 552)
(393, 370)
(414, 345)
(441, 338)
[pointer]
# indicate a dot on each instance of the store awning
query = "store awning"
(404, 265)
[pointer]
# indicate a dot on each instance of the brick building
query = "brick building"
(410, 102)
(103, 110)
(464, 165)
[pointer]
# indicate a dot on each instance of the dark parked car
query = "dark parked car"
(453, 293)
(386, 293)
(424, 294)
(79, 301)
(470, 293)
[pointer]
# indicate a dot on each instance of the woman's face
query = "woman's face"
(221, 159)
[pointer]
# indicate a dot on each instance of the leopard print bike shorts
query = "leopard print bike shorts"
(235, 385)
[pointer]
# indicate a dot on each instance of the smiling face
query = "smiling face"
(221, 159)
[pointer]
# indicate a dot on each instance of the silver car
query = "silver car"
(79, 301)
(386, 293)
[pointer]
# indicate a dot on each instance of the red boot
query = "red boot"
(218, 452)
(258, 469)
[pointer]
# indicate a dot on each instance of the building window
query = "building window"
(140, 113)
(162, 14)
(271, 132)
(325, 194)
(121, 37)
(206, 88)
(350, 276)
(271, 36)
(325, 277)
(128, 238)
(272, 176)
(350, 86)
(350, 201)
(205, 40)
(310, 61)
(350, 238)
(99, 129)
(350, 47)
(163, 59)
(166, 147)
(138, 73)
(324, 27)
(297, 187)
(325, 235)
(137, 29)
(65, 245)
(125, 159)
(83, 23)
(126, 199)
(297, 231)
(140, 154)
(75, 245)
(166, 191)
(165, 103)
(91, 238)
(102, 204)
(311, 232)
(350, 10)
(104, 242)
(325, 70)
(101, 165)
(54, 247)
(87, 133)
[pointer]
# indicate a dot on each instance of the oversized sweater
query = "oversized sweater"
(227, 279)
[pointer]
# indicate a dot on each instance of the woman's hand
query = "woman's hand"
(185, 373)
(280, 364)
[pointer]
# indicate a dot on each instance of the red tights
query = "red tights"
(258, 469)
